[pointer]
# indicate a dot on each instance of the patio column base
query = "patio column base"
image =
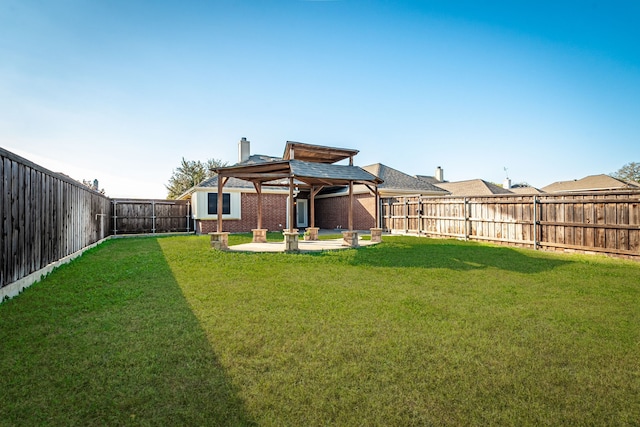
(350, 238)
(311, 233)
(291, 240)
(220, 241)
(259, 235)
(376, 235)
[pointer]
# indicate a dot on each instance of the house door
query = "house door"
(302, 213)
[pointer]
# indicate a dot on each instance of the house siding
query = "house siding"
(274, 215)
(333, 212)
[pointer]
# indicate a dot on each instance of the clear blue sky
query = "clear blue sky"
(122, 90)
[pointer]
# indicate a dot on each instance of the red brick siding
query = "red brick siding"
(333, 212)
(274, 215)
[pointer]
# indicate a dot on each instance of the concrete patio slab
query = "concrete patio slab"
(303, 246)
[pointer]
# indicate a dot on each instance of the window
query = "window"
(212, 204)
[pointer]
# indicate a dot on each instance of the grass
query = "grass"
(409, 332)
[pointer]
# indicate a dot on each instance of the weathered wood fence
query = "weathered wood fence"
(134, 216)
(47, 218)
(44, 217)
(589, 222)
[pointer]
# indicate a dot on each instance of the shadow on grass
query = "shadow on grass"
(405, 251)
(110, 340)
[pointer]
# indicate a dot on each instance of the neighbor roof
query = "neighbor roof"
(473, 187)
(525, 190)
(394, 180)
(591, 183)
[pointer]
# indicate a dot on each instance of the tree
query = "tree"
(189, 174)
(628, 172)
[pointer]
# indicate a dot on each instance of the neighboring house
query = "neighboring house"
(398, 183)
(472, 187)
(331, 205)
(600, 182)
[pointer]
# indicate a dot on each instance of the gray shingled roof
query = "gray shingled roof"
(330, 172)
(400, 181)
(231, 183)
(259, 158)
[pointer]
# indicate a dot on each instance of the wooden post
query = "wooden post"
(220, 185)
(350, 205)
(313, 207)
(258, 187)
(314, 193)
(467, 216)
(292, 216)
(377, 208)
(535, 223)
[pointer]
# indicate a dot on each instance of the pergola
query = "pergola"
(302, 166)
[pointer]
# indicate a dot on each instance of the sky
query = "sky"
(121, 91)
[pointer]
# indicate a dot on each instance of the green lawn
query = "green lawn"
(413, 331)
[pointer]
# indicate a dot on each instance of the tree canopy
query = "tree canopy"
(628, 172)
(189, 174)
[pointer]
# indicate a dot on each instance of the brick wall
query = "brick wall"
(274, 215)
(333, 212)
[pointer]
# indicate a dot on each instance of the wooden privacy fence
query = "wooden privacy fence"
(44, 217)
(133, 216)
(47, 218)
(606, 222)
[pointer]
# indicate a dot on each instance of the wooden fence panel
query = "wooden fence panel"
(44, 217)
(591, 222)
(137, 216)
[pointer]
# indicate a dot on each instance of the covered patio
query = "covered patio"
(303, 166)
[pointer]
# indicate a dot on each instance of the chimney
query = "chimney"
(439, 174)
(244, 150)
(507, 183)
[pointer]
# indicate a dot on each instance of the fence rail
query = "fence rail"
(590, 222)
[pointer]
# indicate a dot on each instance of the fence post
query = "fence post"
(535, 222)
(115, 217)
(188, 216)
(419, 210)
(466, 219)
(153, 217)
(406, 215)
